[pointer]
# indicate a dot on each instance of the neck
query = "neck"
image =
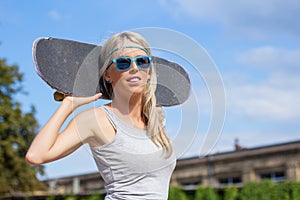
(131, 107)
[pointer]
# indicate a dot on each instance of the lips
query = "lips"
(134, 79)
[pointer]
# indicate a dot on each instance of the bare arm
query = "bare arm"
(49, 144)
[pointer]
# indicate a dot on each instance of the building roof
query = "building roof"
(244, 153)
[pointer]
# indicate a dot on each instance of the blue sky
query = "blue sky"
(254, 45)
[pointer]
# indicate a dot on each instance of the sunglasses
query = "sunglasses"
(123, 63)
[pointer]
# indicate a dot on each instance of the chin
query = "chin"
(137, 90)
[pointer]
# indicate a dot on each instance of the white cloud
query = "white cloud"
(253, 17)
(54, 14)
(275, 96)
(273, 99)
(268, 57)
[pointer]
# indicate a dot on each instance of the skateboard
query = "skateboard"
(72, 68)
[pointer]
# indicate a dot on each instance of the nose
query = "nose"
(134, 67)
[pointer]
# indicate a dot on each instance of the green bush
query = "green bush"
(95, 196)
(249, 192)
(176, 193)
(294, 190)
(281, 192)
(52, 197)
(287, 191)
(230, 193)
(206, 193)
(257, 191)
(70, 197)
(265, 190)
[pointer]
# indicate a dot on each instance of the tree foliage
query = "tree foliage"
(287, 191)
(176, 193)
(230, 193)
(206, 193)
(17, 130)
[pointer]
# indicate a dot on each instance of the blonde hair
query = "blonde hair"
(152, 115)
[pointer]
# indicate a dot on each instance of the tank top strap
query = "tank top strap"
(110, 116)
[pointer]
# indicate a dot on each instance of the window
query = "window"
(189, 183)
(277, 176)
(230, 180)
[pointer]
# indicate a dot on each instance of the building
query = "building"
(277, 162)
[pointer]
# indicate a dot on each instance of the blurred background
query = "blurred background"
(253, 45)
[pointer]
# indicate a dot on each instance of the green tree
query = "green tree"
(230, 193)
(249, 191)
(257, 191)
(281, 192)
(206, 193)
(266, 190)
(17, 130)
(295, 190)
(287, 190)
(176, 193)
(95, 196)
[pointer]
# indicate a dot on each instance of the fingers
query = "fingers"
(77, 101)
(58, 96)
(90, 99)
(97, 96)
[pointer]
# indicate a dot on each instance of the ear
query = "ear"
(106, 75)
(149, 74)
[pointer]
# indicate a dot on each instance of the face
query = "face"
(131, 81)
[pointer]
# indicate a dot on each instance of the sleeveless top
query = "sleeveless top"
(132, 166)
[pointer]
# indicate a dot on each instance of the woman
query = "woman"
(127, 136)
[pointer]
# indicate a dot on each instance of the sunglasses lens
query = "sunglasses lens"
(123, 64)
(143, 62)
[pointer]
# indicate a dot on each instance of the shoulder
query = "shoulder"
(90, 115)
(95, 122)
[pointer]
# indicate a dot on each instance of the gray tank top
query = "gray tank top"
(132, 166)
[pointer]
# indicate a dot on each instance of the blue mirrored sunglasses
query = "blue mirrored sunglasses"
(123, 63)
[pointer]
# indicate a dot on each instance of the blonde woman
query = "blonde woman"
(127, 136)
